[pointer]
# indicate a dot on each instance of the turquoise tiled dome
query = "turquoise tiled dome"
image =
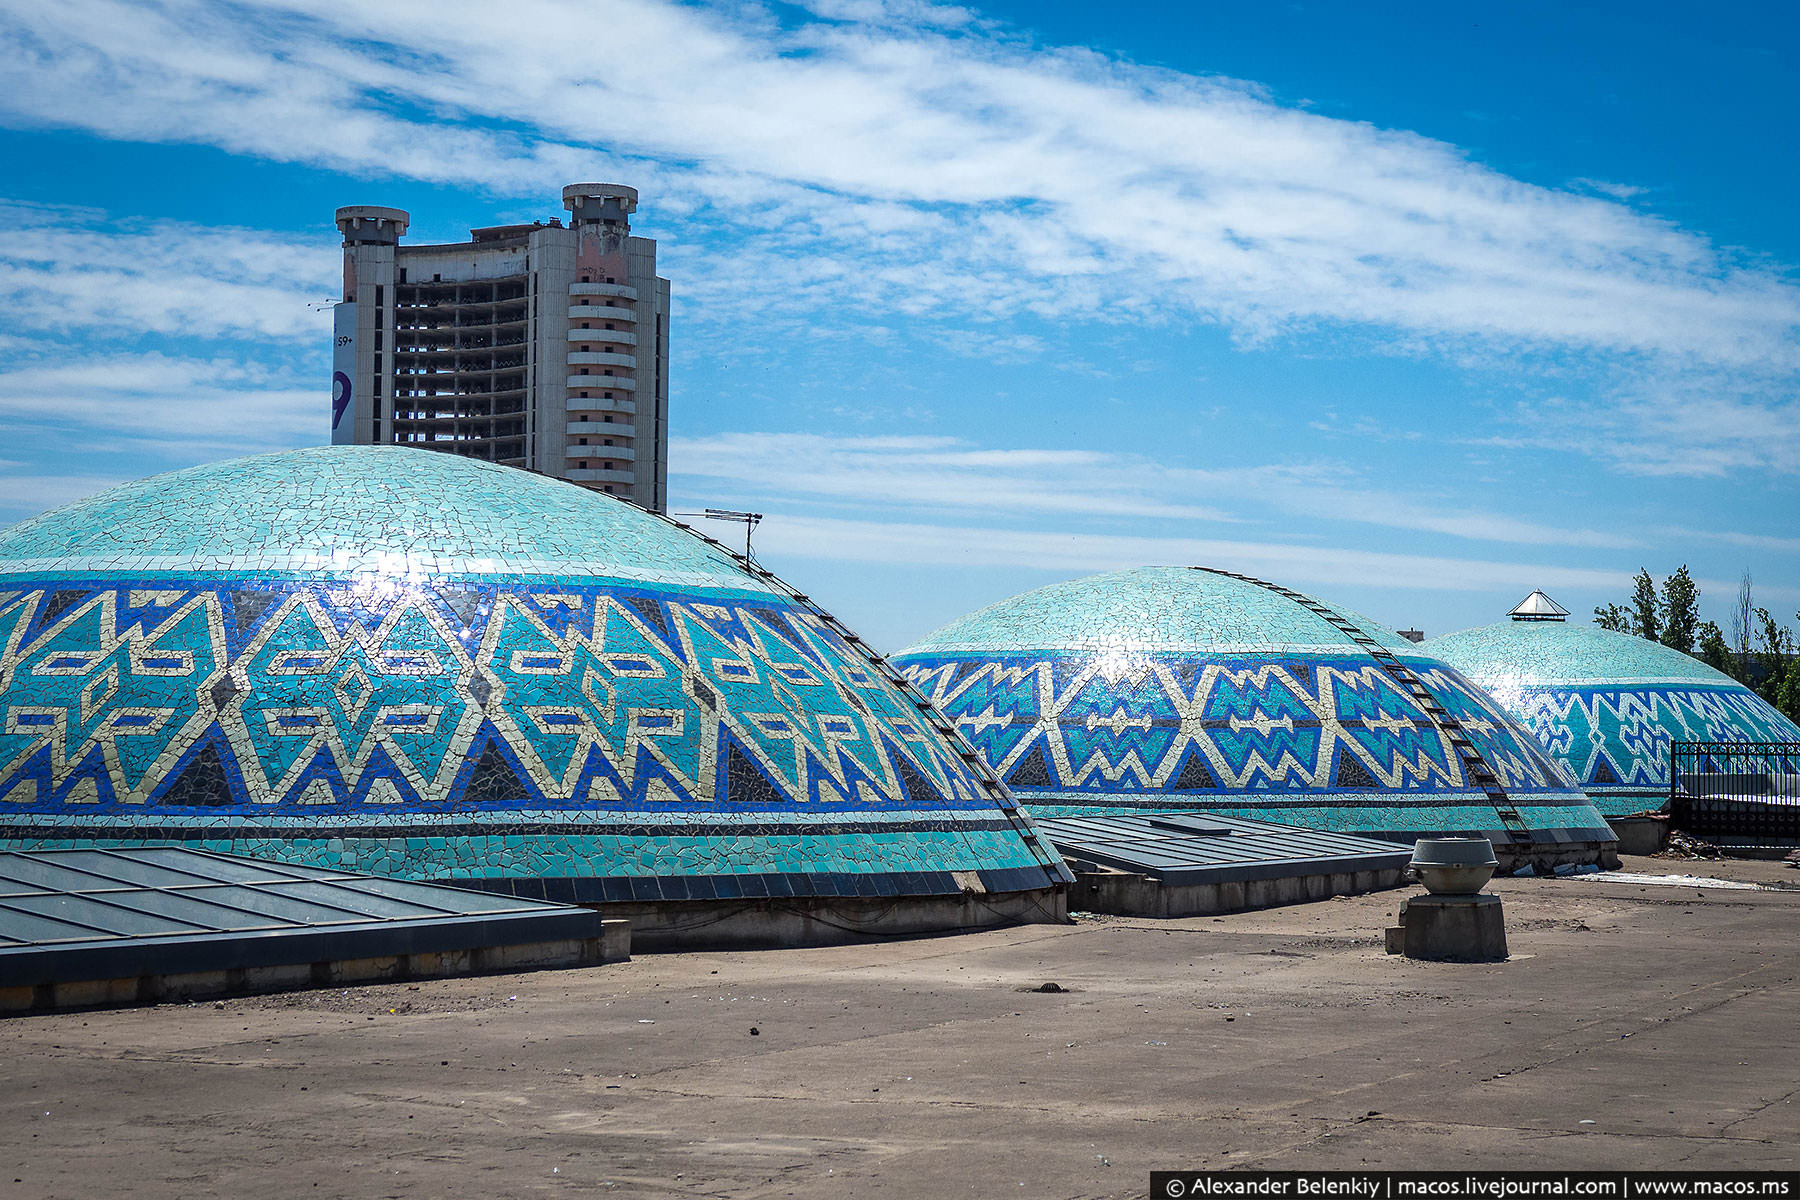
(422, 665)
(1607, 705)
(1179, 689)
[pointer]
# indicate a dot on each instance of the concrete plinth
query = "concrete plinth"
(1642, 834)
(1450, 929)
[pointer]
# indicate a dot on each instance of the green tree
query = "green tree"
(1679, 611)
(1715, 652)
(1643, 607)
(1757, 648)
(1613, 617)
(1780, 684)
(1787, 699)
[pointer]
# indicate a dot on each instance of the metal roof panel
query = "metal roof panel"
(1178, 848)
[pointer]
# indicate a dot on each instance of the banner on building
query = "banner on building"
(343, 371)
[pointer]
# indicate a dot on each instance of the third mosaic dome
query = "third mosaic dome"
(1609, 705)
(1181, 689)
(415, 664)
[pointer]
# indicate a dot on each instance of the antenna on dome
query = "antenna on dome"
(1538, 607)
(748, 520)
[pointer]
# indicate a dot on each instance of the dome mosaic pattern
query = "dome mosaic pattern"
(1608, 705)
(415, 664)
(1181, 689)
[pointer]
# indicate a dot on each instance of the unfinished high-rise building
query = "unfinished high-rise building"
(543, 346)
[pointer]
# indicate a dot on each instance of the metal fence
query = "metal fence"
(1738, 790)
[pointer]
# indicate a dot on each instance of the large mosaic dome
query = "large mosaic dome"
(1607, 705)
(420, 665)
(1179, 689)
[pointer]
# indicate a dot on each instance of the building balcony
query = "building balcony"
(586, 404)
(621, 337)
(603, 453)
(585, 312)
(595, 475)
(603, 289)
(579, 358)
(579, 427)
(623, 383)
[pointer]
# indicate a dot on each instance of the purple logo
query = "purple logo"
(340, 396)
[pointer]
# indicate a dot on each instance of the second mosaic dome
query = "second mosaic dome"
(1181, 689)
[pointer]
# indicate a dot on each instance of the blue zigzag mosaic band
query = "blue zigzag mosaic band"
(572, 740)
(1085, 723)
(1615, 741)
(298, 697)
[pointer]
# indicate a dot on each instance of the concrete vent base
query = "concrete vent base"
(1450, 929)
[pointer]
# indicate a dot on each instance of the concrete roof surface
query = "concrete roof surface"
(924, 1068)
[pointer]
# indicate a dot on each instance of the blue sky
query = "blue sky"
(1413, 306)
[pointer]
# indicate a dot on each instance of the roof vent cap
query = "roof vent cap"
(1538, 607)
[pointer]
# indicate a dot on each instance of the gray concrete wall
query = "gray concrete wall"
(652, 441)
(1640, 835)
(372, 383)
(777, 924)
(547, 368)
(1125, 894)
(463, 262)
(613, 945)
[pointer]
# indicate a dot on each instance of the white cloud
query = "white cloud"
(841, 540)
(69, 270)
(231, 406)
(1675, 424)
(948, 474)
(1618, 191)
(895, 159)
(1733, 537)
(891, 12)
(26, 493)
(932, 473)
(964, 173)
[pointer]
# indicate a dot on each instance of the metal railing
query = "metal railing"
(1736, 789)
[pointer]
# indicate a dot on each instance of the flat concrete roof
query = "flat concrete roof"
(1641, 1026)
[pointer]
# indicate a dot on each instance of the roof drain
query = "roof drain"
(1474, 766)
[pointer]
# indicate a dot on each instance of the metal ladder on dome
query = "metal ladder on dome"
(1474, 766)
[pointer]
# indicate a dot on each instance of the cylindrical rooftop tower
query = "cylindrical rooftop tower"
(371, 223)
(608, 203)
